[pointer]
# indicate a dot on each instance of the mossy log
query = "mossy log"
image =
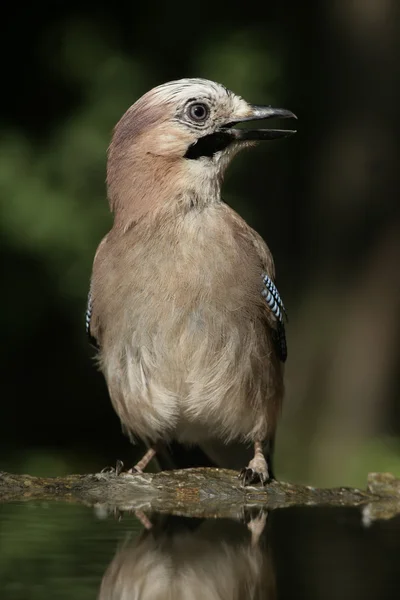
(197, 492)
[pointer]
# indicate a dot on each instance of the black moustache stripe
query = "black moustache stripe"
(209, 144)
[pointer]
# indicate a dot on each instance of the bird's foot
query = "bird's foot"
(117, 470)
(138, 468)
(256, 470)
(134, 470)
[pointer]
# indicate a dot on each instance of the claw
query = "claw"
(249, 476)
(257, 469)
(119, 467)
(118, 514)
(108, 470)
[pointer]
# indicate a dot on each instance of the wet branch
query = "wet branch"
(196, 492)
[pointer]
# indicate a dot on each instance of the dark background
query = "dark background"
(325, 200)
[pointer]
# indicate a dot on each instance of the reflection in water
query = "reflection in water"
(62, 550)
(193, 559)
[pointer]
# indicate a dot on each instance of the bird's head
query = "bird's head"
(181, 136)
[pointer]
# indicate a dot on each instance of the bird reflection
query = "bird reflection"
(179, 558)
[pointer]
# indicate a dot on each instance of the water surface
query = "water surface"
(60, 550)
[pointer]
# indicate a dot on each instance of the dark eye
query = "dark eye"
(198, 111)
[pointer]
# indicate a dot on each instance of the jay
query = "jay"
(183, 307)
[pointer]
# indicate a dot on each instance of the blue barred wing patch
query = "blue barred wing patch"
(274, 301)
(88, 316)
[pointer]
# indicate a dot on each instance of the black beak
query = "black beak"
(258, 113)
(227, 134)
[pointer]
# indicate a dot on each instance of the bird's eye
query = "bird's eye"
(198, 112)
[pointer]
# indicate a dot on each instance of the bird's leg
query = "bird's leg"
(256, 527)
(138, 468)
(143, 462)
(257, 469)
(144, 520)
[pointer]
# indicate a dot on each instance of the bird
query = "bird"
(178, 557)
(183, 308)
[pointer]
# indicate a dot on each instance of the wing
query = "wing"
(88, 316)
(93, 330)
(274, 302)
(269, 292)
